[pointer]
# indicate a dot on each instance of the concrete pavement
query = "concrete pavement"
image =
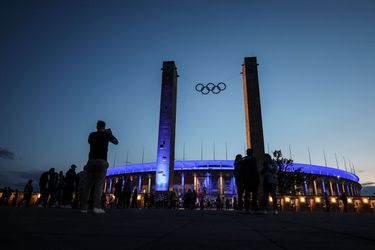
(39, 228)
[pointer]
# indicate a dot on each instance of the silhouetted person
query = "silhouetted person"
(201, 202)
(327, 202)
(134, 198)
(96, 166)
(60, 189)
(251, 180)
(218, 202)
(188, 199)
(27, 193)
(70, 185)
(52, 188)
(44, 182)
(173, 200)
(118, 193)
(227, 204)
(344, 199)
(239, 176)
(269, 173)
(4, 197)
(235, 203)
(127, 193)
(14, 201)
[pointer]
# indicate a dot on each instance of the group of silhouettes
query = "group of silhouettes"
(248, 180)
(57, 189)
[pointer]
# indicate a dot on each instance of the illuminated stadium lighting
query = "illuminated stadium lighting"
(287, 199)
(365, 200)
(350, 200)
(227, 165)
(333, 200)
(302, 199)
(317, 199)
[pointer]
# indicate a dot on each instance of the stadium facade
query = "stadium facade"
(213, 177)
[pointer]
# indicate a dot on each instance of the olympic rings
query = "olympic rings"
(210, 87)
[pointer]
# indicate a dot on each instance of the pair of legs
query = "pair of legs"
(254, 198)
(240, 190)
(269, 190)
(96, 171)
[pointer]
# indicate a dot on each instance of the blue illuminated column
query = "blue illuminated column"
(352, 189)
(233, 185)
(347, 188)
(306, 187)
(110, 186)
(323, 186)
(167, 125)
(183, 183)
(208, 183)
(140, 184)
(338, 187)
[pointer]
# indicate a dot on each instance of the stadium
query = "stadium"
(215, 177)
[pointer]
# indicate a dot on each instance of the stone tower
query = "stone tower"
(167, 125)
(253, 114)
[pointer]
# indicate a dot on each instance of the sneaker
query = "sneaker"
(83, 211)
(98, 211)
(265, 212)
(276, 212)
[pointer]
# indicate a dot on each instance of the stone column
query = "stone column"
(167, 124)
(331, 187)
(315, 188)
(221, 190)
(149, 184)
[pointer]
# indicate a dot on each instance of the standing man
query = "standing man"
(96, 166)
(70, 185)
(239, 177)
(45, 182)
(251, 180)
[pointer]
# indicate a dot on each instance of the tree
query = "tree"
(290, 181)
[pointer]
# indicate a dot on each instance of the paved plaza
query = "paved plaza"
(39, 228)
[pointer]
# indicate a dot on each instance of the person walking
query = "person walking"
(96, 166)
(251, 181)
(27, 193)
(269, 173)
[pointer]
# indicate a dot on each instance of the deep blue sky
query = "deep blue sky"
(66, 65)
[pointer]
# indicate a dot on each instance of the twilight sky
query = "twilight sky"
(66, 64)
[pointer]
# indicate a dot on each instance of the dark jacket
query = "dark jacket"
(250, 172)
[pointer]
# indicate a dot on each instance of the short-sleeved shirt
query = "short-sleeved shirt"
(99, 144)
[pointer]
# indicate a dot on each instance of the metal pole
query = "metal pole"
(346, 169)
(290, 153)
